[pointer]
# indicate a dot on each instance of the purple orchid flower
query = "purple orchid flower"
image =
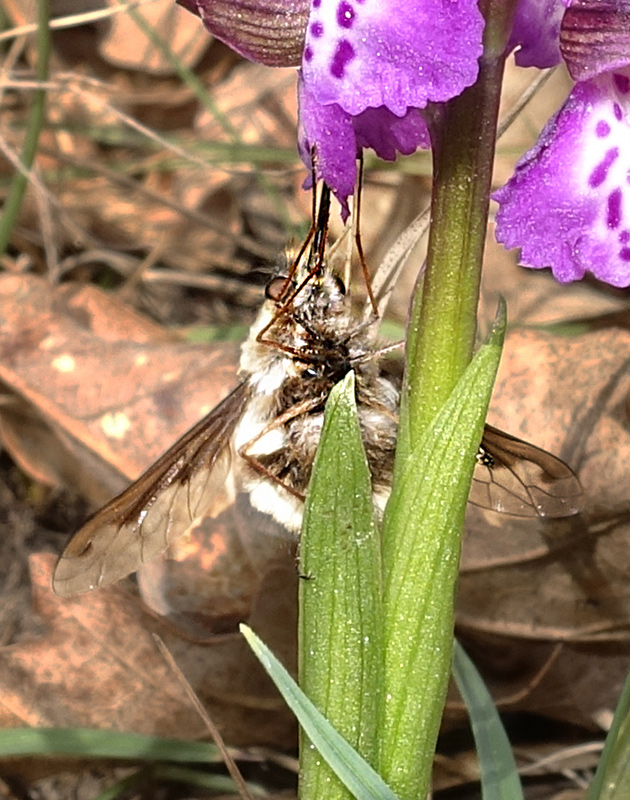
(567, 205)
(536, 33)
(367, 68)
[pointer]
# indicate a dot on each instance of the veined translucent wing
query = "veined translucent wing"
(518, 478)
(140, 523)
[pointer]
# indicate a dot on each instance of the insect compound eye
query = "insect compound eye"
(276, 289)
(311, 372)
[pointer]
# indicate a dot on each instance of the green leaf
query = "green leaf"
(340, 650)
(36, 120)
(612, 779)
(166, 759)
(88, 743)
(499, 775)
(153, 774)
(421, 548)
(355, 773)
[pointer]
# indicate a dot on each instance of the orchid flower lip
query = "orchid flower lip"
(578, 174)
(368, 69)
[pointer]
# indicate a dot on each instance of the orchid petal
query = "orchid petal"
(400, 54)
(536, 31)
(568, 203)
(328, 130)
(268, 31)
(595, 37)
(389, 135)
(337, 139)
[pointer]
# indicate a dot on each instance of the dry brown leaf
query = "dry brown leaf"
(261, 106)
(99, 667)
(149, 215)
(527, 586)
(135, 199)
(115, 389)
(572, 683)
(122, 41)
(563, 580)
(534, 297)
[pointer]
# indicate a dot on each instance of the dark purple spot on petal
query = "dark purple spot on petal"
(613, 213)
(602, 129)
(317, 3)
(624, 237)
(343, 54)
(624, 254)
(622, 83)
(345, 15)
(308, 53)
(617, 111)
(317, 30)
(599, 174)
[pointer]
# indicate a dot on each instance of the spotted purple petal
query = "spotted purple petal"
(337, 139)
(398, 54)
(389, 135)
(567, 205)
(595, 37)
(536, 31)
(329, 131)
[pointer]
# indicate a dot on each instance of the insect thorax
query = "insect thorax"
(311, 347)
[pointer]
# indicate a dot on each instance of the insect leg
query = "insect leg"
(357, 240)
(298, 410)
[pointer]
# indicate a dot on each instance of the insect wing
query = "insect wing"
(140, 523)
(515, 477)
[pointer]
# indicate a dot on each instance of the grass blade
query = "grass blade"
(499, 775)
(356, 774)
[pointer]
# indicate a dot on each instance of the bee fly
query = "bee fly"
(262, 438)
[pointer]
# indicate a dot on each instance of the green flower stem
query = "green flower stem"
(34, 125)
(443, 322)
(438, 436)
